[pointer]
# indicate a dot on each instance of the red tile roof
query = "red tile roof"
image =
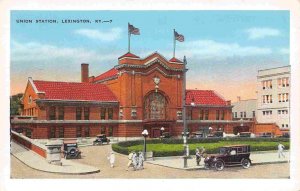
(129, 55)
(204, 97)
(175, 60)
(110, 73)
(74, 91)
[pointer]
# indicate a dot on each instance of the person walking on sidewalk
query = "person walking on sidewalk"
(280, 150)
(198, 156)
(111, 159)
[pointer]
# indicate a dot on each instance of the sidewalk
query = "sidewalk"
(37, 162)
(256, 158)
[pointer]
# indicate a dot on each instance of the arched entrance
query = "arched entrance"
(156, 114)
(155, 107)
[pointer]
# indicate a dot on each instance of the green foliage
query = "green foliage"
(15, 104)
(174, 147)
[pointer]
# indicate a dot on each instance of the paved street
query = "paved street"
(97, 156)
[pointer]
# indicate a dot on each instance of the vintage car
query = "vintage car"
(266, 135)
(71, 150)
(229, 156)
(165, 135)
(101, 138)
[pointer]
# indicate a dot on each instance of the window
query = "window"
(179, 115)
(267, 99)
(201, 114)
(282, 125)
(102, 113)
(241, 114)
(86, 113)
(264, 113)
(283, 82)
(61, 113)
(61, 132)
(110, 112)
(206, 114)
(110, 131)
(235, 114)
(253, 114)
(222, 114)
(52, 113)
(86, 131)
(284, 97)
(286, 126)
(78, 113)
(217, 114)
(78, 132)
(102, 130)
(52, 132)
(29, 99)
(245, 114)
(279, 112)
(267, 84)
(133, 113)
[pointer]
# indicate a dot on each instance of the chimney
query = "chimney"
(84, 72)
(238, 98)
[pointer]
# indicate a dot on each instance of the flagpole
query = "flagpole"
(174, 43)
(128, 39)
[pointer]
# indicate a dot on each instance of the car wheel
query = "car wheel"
(219, 165)
(207, 166)
(246, 163)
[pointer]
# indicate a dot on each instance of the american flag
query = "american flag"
(133, 30)
(179, 37)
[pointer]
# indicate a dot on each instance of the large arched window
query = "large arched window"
(155, 106)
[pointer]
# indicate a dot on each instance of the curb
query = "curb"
(55, 172)
(202, 168)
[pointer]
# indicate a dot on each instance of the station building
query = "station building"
(136, 94)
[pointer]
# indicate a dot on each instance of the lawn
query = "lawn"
(162, 149)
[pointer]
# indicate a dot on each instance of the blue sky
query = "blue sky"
(224, 49)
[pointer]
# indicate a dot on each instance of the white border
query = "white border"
(152, 184)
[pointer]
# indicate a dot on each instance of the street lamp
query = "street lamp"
(209, 130)
(145, 134)
(161, 131)
(185, 145)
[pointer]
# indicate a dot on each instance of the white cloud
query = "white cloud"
(259, 33)
(108, 35)
(284, 51)
(34, 51)
(210, 48)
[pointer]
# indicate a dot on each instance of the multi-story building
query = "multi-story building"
(136, 94)
(244, 109)
(273, 96)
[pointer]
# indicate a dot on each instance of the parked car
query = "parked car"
(266, 135)
(166, 135)
(247, 134)
(197, 135)
(229, 156)
(71, 150)
(101, 138)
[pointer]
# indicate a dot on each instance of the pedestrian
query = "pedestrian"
(280, 150)
(141, 160)
(130, 156)
(135, 161)
(111, 159)
(198, 156)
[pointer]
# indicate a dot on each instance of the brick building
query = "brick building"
(138, 93)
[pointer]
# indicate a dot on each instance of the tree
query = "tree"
(15, 104)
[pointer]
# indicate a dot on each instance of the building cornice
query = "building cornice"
(75, 102)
